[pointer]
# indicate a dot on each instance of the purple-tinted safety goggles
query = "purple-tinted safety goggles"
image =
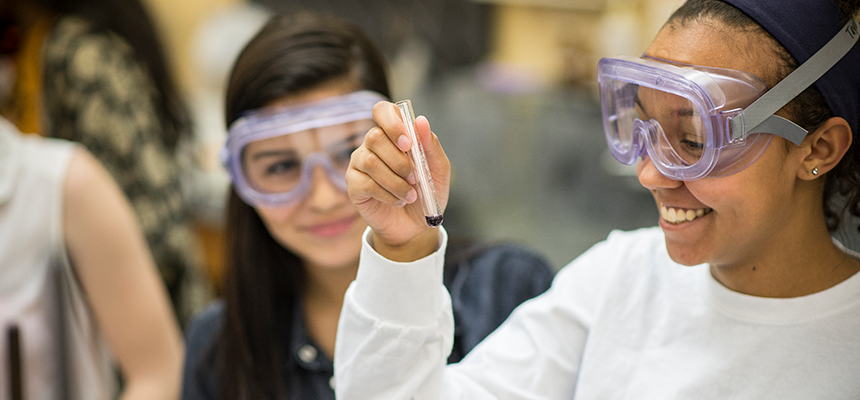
(695, 121)
(271, 153)
(676, 114)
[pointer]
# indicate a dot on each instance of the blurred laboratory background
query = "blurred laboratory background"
(508, 86)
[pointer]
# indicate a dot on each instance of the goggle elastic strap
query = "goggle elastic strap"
(759, 118)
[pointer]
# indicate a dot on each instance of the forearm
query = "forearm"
(121, 283)
(393, 310)
(155, 373)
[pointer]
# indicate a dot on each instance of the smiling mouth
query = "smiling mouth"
(334, 228)
(674, 215)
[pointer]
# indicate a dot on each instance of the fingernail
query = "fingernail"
(412, 196)
(411, 178)
(403, 143)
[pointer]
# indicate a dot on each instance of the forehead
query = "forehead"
(712, 44)
(337, 87)
(313, 139)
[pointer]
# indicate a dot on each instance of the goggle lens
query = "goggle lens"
(282, 164)
(679, 115)
(676, 127)
(670, 124)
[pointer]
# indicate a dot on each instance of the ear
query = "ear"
(825, 147)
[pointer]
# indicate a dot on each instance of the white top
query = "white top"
(622, 321)
(35, 270)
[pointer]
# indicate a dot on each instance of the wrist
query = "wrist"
(420, 246)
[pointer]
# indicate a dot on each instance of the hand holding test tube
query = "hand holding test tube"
(423, 180)
(383, 183)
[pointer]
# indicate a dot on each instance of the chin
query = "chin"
(343, 255)
(334, 264)
(684, 255)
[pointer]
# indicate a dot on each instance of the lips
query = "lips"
(334, 228)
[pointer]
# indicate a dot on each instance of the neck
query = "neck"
(322, 300)
(326, 286)
(794, 266)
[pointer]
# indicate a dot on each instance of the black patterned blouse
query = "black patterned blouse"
(98, 94)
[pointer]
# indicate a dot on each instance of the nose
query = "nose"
(324, 195)
(651, 178)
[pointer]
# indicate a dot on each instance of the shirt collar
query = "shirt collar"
(304, 353)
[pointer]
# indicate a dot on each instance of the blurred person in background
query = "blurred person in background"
(298, 102)
(93, 72)
(79, 292)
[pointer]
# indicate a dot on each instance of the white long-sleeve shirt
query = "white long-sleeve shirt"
(622, 321)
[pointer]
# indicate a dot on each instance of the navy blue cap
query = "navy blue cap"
(803, 27)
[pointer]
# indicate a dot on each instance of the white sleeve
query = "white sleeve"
(396, 330)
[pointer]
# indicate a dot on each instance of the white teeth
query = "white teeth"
(680, 215)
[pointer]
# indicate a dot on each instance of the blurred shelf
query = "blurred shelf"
(577, 5)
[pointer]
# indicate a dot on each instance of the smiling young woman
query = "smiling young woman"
(740, 292)
(299, 102)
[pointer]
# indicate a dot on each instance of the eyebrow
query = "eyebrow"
(681, 112)
(678, 112)
(293, 153)
(273, 153)
(344, 141)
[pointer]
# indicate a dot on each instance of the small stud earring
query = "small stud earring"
(815, 171)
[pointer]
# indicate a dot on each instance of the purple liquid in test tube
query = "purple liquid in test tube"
(423, 180)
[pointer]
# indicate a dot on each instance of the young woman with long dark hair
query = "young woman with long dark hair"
(299, 101)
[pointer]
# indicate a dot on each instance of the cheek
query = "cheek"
(721, 193)
(277, 220)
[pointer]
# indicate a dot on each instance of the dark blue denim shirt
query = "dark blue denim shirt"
(486, 283)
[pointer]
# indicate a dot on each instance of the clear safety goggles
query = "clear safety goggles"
(271, 153)
(695, 121)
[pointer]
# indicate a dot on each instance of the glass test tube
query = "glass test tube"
(423, 180)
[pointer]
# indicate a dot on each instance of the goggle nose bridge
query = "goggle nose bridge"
(651, 128)
(642, 135)
(322, 159)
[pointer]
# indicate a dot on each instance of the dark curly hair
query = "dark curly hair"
(130, 20)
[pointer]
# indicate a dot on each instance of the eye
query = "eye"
(283, 167)
(346, 153)
(342, 151)
(692, 145)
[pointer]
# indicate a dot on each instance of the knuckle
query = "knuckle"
(363, 186)
(403, 166)
(371, 162)
(374, 137)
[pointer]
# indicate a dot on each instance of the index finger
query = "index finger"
(387, 116)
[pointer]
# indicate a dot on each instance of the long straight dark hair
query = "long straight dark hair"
(291, 54)
(130, 20)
